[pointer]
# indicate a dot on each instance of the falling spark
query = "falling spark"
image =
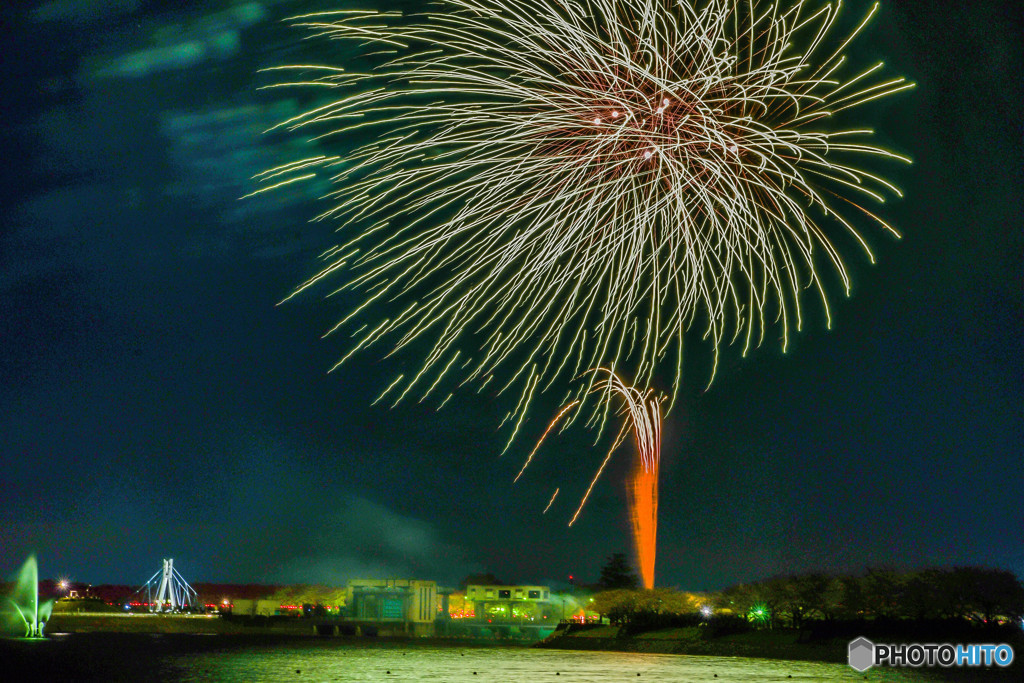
(547, 431)
(553, 495)
(644, 418)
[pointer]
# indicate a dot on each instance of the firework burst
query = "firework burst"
(539, 186)
(553, 185)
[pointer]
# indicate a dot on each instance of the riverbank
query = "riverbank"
(170, 658)
(761, 644)
(690, 641)
(256, 627)
(169, 623)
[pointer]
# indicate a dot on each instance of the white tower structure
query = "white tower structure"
(170, 592)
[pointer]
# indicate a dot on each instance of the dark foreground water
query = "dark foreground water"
(143, 657)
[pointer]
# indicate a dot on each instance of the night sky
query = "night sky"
(155, 401)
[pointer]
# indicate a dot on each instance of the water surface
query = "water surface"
(137, 657)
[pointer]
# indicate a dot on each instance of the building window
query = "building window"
(504, 594)
(534, 595)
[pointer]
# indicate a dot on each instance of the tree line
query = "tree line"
(978, 595)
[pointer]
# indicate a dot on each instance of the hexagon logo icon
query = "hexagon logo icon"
(862, 654)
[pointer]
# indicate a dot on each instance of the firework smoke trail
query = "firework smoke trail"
(550, 185)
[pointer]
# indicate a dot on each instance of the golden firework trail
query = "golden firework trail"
(541, 186)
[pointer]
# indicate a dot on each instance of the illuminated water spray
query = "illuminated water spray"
(22, 609)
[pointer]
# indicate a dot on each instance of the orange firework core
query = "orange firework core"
(643, 505)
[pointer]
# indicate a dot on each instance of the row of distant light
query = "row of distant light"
(223, 604)
(706, 610)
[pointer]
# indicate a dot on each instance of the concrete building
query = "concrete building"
(507, 603)
(255, 608)
(397, 605)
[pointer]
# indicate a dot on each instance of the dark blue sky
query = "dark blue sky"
(156, 402)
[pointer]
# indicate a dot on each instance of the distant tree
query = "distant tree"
(487, 579)
(616, 573)
(739, 598)
(820, 595)
(787, 601)
(852, 604)
(802, 597)
(626, 605)
(616, 604)
(986, 594)
(924, 596)
(882, 591)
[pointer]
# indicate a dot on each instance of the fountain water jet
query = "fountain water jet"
(27, 611)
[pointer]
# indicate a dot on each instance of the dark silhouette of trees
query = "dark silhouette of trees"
(629, 606)
(617, 573)
(967, 594)
(934, 602)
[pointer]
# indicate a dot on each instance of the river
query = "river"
(170, 658)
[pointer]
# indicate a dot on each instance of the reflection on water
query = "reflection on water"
(485, 665)
(112, 657)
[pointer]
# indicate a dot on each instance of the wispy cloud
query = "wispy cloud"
(363, 539)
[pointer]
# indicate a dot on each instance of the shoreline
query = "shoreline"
(778, 646)
(84, 624)
(768, 645)
(773, 645)
(684, 641)
(153, 623)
